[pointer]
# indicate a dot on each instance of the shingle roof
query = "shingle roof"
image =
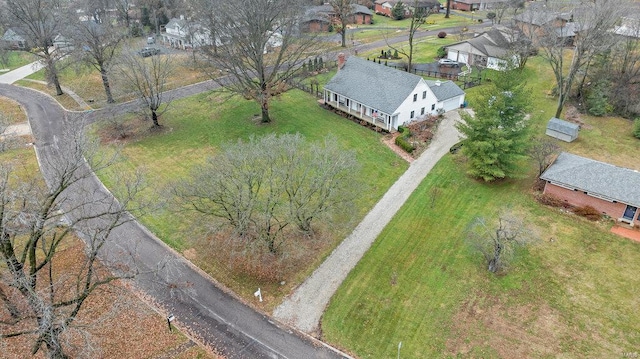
(491, 43)
(14, 34)
(444, 90)
(562, 126)
(596, 178)
(375, 85)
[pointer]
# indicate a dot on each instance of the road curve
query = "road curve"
(209, 314)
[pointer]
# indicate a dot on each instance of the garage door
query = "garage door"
(451, 104)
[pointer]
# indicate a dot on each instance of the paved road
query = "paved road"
(209, 314)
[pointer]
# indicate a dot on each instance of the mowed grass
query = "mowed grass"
(573, 294)
(17, 59)
(197, 127)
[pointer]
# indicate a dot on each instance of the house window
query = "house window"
(433, 107)
(335, 97)
(412, 114)
(415, 97)
(422, 111)
(424, 94)
(347, 102)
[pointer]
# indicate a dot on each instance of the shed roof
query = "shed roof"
(562, 126)
(383, 87)
(597, 178)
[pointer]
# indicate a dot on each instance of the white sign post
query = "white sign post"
(170, 319)
(258, 294)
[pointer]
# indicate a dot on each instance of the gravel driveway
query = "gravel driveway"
(304, 307)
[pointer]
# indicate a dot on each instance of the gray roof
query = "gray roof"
(176, 23)
(14, 34)
(562, 126)
(491, 43)
(321, 12)
(597, 178)
(444, 90)
(382, 87)
(375, 85)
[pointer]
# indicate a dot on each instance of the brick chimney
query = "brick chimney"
(342, 58)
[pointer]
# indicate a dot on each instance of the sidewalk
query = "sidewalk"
(305, 306)
(21, 72)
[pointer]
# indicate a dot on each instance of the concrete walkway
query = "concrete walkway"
(305, 306)
(68, 91)
(21, 72)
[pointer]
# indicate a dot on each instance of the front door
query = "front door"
(629, 213)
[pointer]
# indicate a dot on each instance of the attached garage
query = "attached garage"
(450, 96)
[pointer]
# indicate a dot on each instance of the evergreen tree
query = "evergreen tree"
(497, 136)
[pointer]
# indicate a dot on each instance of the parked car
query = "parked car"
(448, 63)
(151, 40)
(149, 51)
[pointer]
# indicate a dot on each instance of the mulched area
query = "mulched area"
(632, 234)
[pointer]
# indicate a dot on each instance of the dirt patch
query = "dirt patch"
(511, 331)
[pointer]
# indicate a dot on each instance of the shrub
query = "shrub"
(442, 34)
(588, 212)
(636, 128)
(553, 201)
(404, 144)
(441, 52)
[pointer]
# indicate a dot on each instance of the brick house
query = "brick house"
(318, 18)
(475, 5)
(384, 7)
(386, 97)
(536, 23)
(580, 181)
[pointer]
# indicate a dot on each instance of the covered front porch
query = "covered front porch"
(360, 111)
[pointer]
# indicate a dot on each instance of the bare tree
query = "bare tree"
(500, 8)
(147, 78)
(448, 11)
(261, 47)
(592, 23)
(123, 7)
(264, 186)
(36, 224)
(498, 241)
(42, 21)
(343, 10)
(96, 44)
(543, 150)
(418, 17)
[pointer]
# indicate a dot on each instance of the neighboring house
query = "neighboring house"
(62, 43)
(387, 97)
(629, 27)
(184, 34)
(489, 49)
(475, 5)
(318, 18)
(537, 23)
(15, 39)
(580, 181)
(562, 130)
(384, 7)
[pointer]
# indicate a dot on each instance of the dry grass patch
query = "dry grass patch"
(12, 111)
(64, 100)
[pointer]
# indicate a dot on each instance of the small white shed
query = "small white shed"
(562, 130)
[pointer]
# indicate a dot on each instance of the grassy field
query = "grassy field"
(196, 127)
(17, 59)
(64, 100)
(12, 111)
(573, 294)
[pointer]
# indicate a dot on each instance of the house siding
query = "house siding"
(580, 199)
(408, 105)
(559, 135)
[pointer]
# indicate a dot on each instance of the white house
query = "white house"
(489, 49)
(387, 97)
(184, 34)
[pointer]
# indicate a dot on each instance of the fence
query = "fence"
(467, 80)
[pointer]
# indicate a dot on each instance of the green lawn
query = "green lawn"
(17, 59)
(574, 294)
(196, 127)
(420, 285)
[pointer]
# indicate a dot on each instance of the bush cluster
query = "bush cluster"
(402, 141)
(553, 201)
(636, 128)
(442, 34)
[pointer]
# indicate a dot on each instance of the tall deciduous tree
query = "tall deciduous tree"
(343, 10)
(497, 136)
(42, 21)
(96, 43)
(261, 47)
(36, 224)
(592, 23)
(147, 78)
(418, 17)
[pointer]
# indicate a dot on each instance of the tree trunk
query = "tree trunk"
(446, 15)
(56, 83)
(154, 118)
(494, 263)
(107, 86)
(343, 36)
(264, 107)
(54, 349)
